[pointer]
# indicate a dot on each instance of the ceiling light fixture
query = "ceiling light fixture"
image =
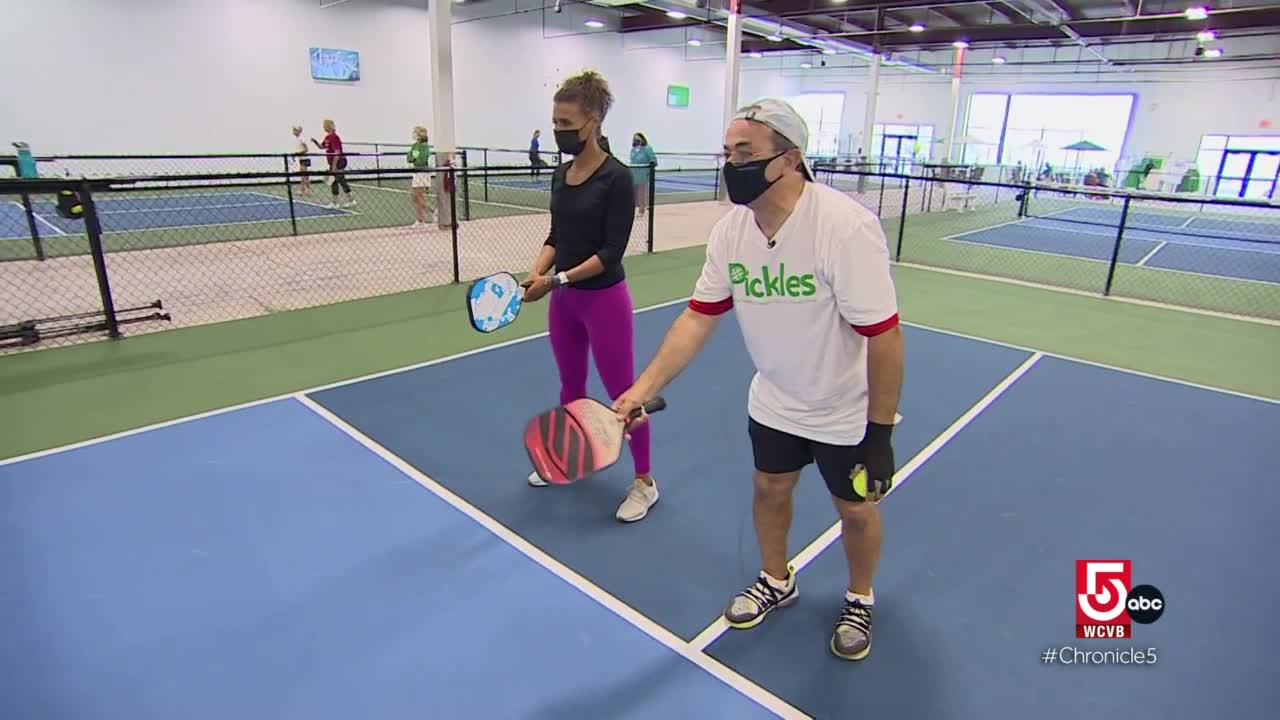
(806, 65)
(1197, 12)
(594, 24)
(1206, 36)
(774, 38)
(695, 42)
(828, 51)
(998, 60)
(916, 28)
(676, 15)
(1213, 52)
(960, 44)
(756, 55)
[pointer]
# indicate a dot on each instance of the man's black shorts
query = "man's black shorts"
(780, 452)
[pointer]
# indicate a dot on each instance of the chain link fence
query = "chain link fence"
(1191, 251)
(90, 258)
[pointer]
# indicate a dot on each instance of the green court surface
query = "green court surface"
(70, 394)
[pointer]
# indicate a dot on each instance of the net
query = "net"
(1099, 210)
(701, 170)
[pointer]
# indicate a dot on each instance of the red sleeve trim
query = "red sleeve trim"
(718, 307)
(875, 329)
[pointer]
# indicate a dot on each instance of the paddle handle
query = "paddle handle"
(650, 407)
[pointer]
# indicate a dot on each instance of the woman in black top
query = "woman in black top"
(592, 211)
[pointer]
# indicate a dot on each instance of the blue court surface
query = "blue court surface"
(372, 550)
(129, 212)
(1247, 248)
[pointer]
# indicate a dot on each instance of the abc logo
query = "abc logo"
(1145, 604)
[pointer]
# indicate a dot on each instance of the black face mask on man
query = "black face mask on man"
(746, 182)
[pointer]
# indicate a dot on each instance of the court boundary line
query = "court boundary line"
(810, 552)
(342, 210)
(1090, 294)
(956, 238)
(1134, 228)
(536, 336)
(38, 217)
(572, 578)
(529, 210)
(1142, 262)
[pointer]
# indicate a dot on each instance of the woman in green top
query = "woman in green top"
(420, 158)
(642, 157)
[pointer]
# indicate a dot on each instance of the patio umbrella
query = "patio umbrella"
(1083, 146)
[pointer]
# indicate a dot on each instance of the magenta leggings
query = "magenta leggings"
(599, 320)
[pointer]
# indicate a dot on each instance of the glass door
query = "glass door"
(1233, 172)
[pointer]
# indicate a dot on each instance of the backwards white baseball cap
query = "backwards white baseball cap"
(783, 119)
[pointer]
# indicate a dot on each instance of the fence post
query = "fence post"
(93, 230)
(484, 173)
(377, 162)
(453, 220)
(466, 186)
(36, 242)
(653, 199)
(902, 221)
(1115, 252)
(288, 187)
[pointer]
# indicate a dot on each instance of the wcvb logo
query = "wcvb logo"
(1107, 602)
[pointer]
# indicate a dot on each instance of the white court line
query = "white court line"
(296, 201)
(536, 336)
(1089, 294)
(318, 388)
(1152, 235)
(713, 631)
(1188, 222)
(526, 208)
(659, 633)
(1143, 260)
(38, 218)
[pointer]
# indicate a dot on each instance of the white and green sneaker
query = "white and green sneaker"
(851, 639)
(750, 606)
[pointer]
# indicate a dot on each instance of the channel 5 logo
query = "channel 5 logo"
(1107, 601)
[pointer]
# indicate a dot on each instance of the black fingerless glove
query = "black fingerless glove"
(877, 455)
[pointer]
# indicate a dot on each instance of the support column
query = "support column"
(953, 124)
(869, 117)
(732, 63)
(442, 134)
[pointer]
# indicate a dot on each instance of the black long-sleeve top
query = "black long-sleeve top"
(593, 218)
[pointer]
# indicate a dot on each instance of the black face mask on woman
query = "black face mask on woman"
(746, 182)
(570, 142)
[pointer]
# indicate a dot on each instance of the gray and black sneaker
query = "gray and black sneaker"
(852, 637)
(760, 598)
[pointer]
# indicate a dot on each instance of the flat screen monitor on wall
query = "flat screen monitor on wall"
(335, 65)
(677, 96)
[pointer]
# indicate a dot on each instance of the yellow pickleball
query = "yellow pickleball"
(858, 476)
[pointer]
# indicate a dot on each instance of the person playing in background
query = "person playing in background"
(580, 266)
(826, 344)
(298, 148)
(642, 161)
(419, 157)
(536, 163)
(332, 147)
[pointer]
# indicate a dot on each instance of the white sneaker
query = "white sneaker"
(639, 499)
(536, 481)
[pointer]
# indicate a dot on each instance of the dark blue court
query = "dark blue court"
(292, 559)
(1246, 249)
(130, 212)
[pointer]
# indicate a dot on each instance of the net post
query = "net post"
(1115, 251)
(484, 173)
(653, 199)
(902, 219)
(93, 229)
(453, 220)
(288, 188)
(36, 243)
(377, 162)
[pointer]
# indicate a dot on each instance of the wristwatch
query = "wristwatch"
(559, 279)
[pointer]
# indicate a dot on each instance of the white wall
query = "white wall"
(172, 76)
(198, 76)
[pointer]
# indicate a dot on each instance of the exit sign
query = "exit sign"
(677, 96)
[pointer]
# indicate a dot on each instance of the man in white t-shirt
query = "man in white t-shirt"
(807, 270)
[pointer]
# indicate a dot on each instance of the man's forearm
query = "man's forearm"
(683, 341)
(884, 375)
